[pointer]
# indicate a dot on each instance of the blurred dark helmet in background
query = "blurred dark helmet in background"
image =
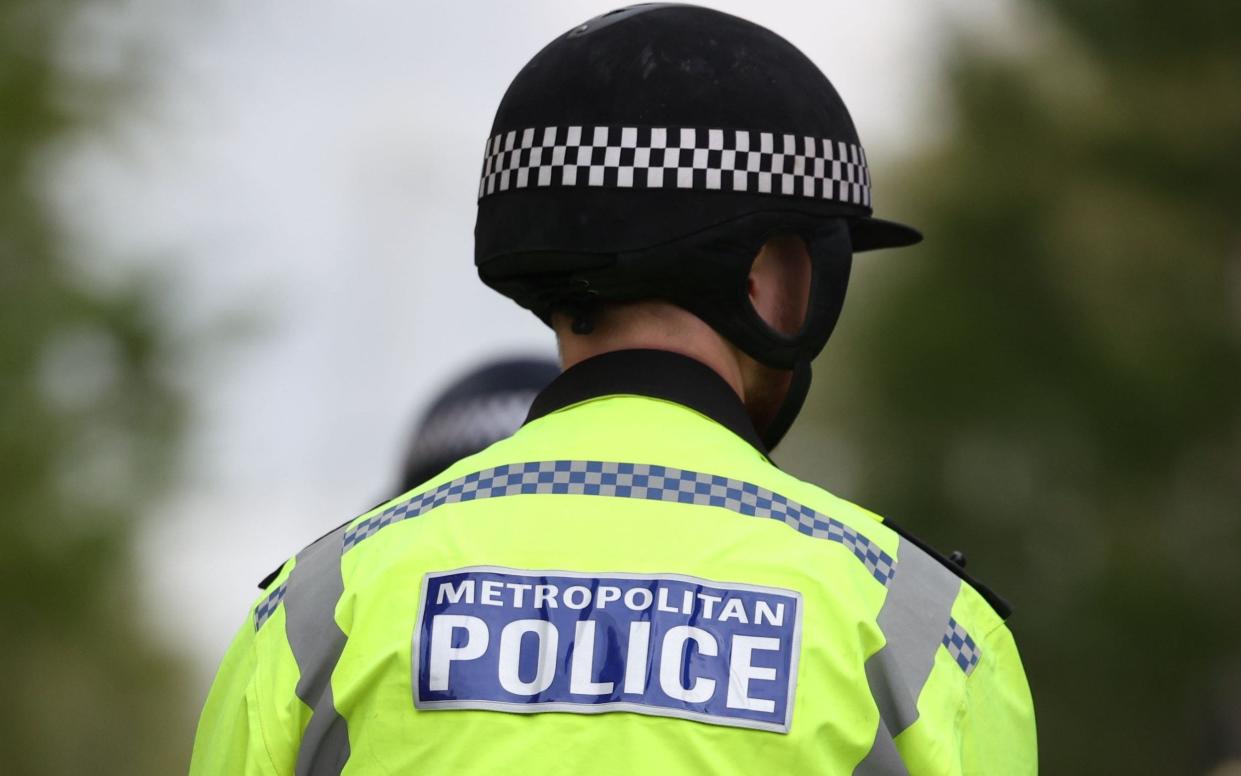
(650, 152)
(482, 407)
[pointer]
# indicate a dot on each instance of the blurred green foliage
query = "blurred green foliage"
(89, 423)
(1052, 382)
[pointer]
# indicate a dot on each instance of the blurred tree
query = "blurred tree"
(88, 423)
(1053, 381)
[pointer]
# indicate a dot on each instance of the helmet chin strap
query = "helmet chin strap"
(794, 398)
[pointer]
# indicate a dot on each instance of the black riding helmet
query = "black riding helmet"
(650, 152)
(483, 406)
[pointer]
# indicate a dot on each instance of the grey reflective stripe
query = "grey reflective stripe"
(912, 619)
(314, 587)
(882, 759)
(630, 480)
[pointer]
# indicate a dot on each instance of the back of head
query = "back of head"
(651, 152)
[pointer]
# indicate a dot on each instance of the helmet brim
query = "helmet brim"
(872, 234)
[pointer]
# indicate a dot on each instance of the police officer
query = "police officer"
(628, 584)
(481, 407)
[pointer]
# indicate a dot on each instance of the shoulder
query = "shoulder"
(360, 526)
(889, 534)
(277, 576)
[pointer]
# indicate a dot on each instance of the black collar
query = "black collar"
(655, 373)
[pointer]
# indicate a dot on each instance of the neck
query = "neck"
(651, 326)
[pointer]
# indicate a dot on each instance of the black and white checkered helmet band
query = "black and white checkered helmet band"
(677, 158)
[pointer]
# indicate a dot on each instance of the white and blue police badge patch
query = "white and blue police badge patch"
(669, 645)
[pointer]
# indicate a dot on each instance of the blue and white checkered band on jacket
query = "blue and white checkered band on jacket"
(676, 158)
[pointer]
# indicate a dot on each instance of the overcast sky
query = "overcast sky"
(313, 166)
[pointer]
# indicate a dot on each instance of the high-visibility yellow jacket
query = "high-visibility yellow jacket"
(626, 585)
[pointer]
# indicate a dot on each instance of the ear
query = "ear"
(779, 283)
(764, 292)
